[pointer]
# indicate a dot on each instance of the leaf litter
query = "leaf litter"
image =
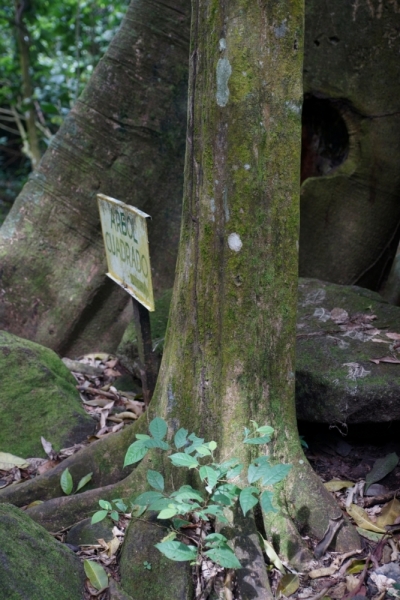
(331, 575)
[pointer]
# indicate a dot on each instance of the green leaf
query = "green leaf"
(372, 536)
(214, 538)
(266, 502)
(180, 438)
(159, 504)
(156, 480)
(180, 459)
(186, 492)
(258, 440)
(158, 428)
(212, 445)
(66, 482)
(224, 556)
(203, 450)
(196, 443)
(99, 516)
(265, 430)
(142, 436)
(105, 504)
(135, 452)
(120, 504)
(156, 443)
(167, 513)
(210, 474)
(247, 499)
(213, 509)
(275, 474)
(147, 498)
(84, 481)
(177, 551)
(381, 468)
(178, 523)
(96, 574)
(235, 472)
(224, 499)
(228, 464)
(114, 515)
(137, 510)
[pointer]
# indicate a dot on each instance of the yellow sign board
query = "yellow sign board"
(127, 248)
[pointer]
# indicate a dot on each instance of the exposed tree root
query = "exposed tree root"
(306, 507)
(65, 511)
(104, 458)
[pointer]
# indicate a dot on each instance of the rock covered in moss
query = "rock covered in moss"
(165, 578)
(339, 330)
(38, 397)
(33, 564)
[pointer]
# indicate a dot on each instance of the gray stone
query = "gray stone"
(38, 397)
(84, 533)
(166, 579)
(33, 565)
(335, 380)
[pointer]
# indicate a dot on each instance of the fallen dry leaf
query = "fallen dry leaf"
(361, 518)
(385, 359)
(335, 485)
(393, 336)
(9, 461)
(49, 464)
(390, 512)
(322, 572)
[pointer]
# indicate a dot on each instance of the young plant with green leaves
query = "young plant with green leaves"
(67, 484)
(187, 504)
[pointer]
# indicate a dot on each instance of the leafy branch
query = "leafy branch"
(187, 505)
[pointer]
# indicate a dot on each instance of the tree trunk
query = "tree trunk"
(124, 138)
(229, 354)
(30, 140)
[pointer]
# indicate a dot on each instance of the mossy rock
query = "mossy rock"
(86, 533)
(165, 579)
(336, 382)
(33, 564)
(38, 397)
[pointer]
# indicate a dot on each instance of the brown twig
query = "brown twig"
(96, 392)
(373, 500)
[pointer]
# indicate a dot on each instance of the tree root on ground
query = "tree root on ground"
(65, 511)
(104, 458)
(305, 509)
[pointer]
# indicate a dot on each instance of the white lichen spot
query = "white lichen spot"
(280, 30)
(222, 44)
(234, 242)
(247, 167)
(301, 462)
(244, 73)
(293, 107)
(224, 71)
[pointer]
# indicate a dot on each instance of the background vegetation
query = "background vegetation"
(48, 51)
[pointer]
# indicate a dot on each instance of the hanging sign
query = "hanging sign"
(127, 248)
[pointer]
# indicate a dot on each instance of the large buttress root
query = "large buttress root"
(305, 509)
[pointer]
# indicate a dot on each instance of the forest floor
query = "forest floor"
(359, 466)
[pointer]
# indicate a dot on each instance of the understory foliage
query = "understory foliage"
(65, 41)
(221, 490)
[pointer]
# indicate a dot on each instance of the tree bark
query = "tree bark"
(30, 140)
(229, 354)
(124, 138)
